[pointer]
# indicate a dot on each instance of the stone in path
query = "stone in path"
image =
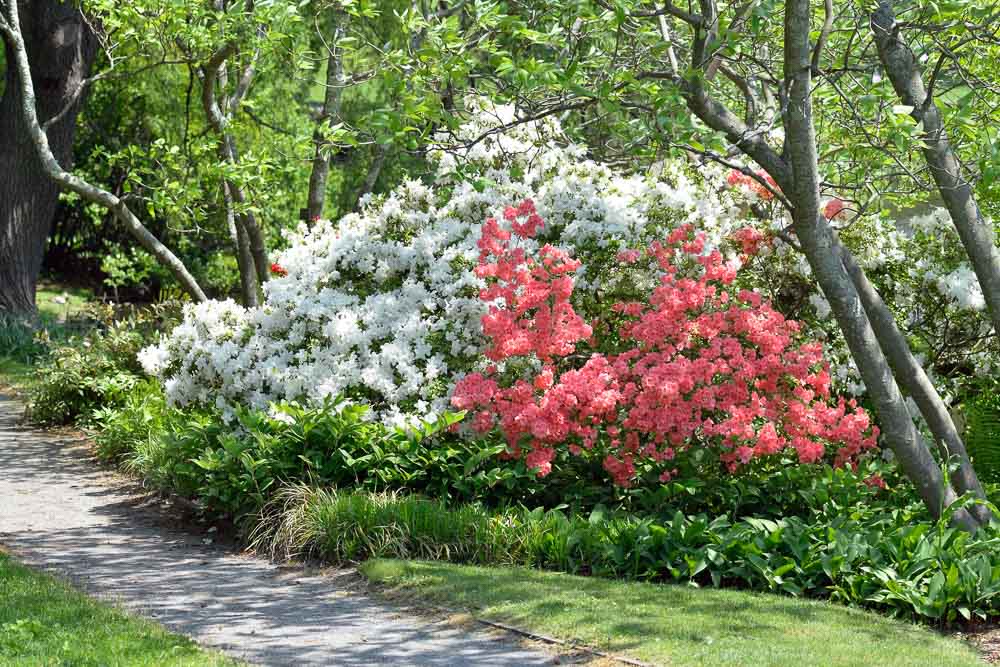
(60, 511)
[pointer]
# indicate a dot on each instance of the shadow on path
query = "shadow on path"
(60, 511)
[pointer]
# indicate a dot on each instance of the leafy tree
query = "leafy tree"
(742, 81)
(61, 48)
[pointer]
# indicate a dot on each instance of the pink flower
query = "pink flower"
(739, 179)
(629, 256)
(750, 240)
(689, 366)
(875, 482)
(540, 460)
(833, 208)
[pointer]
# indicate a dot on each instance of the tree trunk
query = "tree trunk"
(956, 191)
(796, 172)
(61, 49)
(244, 258)
(36, 137)
(820, 247)
(331, 111)
(914, 380)
(374, 170)
(214, 74)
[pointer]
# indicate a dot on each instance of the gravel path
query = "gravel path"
(60, 511)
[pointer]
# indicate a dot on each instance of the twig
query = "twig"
(560, 642)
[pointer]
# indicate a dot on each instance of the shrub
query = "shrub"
(120, 430)
(382, 306)
(98, 369)
(696, 365)
(884, 557)
(234, 469)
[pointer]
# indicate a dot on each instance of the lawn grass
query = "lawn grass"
(60, 301)
(671, 624)
(57, 306)
(43, 621)
(15, 372)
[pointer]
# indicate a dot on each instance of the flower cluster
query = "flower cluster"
(697, 363)
(916, 262)
(760, 183)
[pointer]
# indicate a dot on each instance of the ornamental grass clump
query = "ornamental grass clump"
(881, 556)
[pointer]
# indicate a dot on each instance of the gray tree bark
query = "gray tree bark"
(371, 177)
(956, 191)
(914, 380)
(820, 247)
(60, 47)
(34, 137)
(331, 111)
(244, 258)
(218, 117)
(796, 172)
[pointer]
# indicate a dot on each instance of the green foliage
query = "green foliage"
(982, 433)
(129, 268)
(147, 136)
(769, 489)
(96, 370)
(18, 340)
(121, 429)
(234, 470)
(876, 555)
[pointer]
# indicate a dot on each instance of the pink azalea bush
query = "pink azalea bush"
(697, 364)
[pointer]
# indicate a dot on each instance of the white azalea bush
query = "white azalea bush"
(383, 306)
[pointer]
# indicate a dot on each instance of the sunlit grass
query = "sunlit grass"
(55, 302)
(59, 311)
(44, 621)
(671, 624)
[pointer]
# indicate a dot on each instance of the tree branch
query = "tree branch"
(11, 30)
(824, 35)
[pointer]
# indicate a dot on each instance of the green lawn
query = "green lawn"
(45, 622)
(673, 625)
(14, 372)
(55, 301)
(56, 304)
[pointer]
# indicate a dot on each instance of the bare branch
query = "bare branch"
(824, 35)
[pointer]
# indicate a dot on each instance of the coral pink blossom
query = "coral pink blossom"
(750, 240)
(739, 179)
(833, 208)
(698, 364)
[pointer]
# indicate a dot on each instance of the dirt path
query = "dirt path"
(58, 510)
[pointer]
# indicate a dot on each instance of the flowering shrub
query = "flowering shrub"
(918, 265)
(383, 307)
(696, 363)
